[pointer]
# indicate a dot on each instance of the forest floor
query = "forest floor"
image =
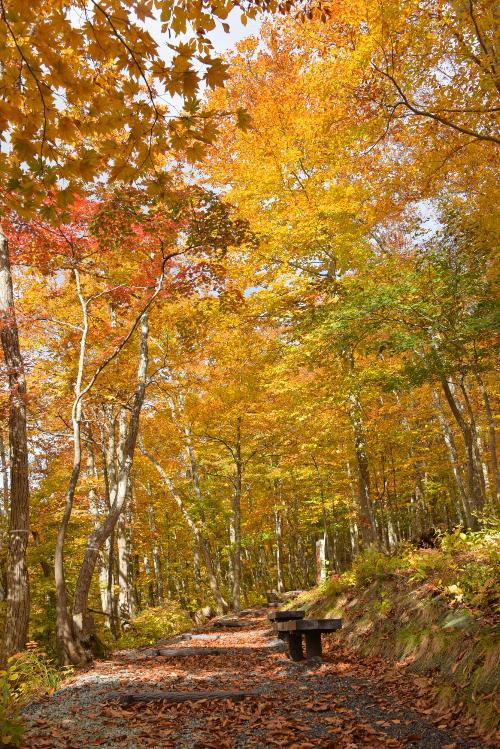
(343, 702)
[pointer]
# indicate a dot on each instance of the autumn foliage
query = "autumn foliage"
(247, 303)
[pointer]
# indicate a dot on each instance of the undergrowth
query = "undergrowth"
(151, 625)
(28, 676)
(434, 611)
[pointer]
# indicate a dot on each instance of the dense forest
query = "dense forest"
(248, 303)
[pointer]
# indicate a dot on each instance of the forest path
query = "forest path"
(341, 703)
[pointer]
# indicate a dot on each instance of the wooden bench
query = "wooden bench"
(312, 629)
(285, 616)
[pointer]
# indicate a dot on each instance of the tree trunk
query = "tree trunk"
(335, 545)
(195, 529)
(453, 456)
(492, 435)
(123, 568)
(278, 526)
(156, 554)
(67, 649)
(4, 471)
(149, 581)
(96, 509)
(107, 557)
(366, 520)
(329, 541)
(476, 442)
(18, 598)
(235, 528)
(196, 563)
(474, 482)
(353, 526)
(127, 439)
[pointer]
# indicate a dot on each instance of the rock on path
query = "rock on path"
(329, 704)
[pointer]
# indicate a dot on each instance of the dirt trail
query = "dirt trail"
(338, 703)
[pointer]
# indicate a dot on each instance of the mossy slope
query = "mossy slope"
(432, 611)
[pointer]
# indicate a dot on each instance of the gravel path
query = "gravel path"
(329, 704)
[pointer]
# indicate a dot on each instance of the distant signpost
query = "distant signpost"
(320, 561)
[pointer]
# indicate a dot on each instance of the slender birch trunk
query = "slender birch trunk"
(4, 471)
(449, 441)
(491, 434)
(278, 528)
(474, 483)
(235, 527)
(156, 555)
(68, 650)
(96, 510)
(127, 439)
(198, 535)
(366, 520)
(123, 567)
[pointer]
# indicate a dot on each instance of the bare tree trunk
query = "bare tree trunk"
(278, 526)
(353, 526)
(95, 509)
(149, 580)
(196, 563)
(4, 471)
(156, 555)
(126, 446)
(123, 567)
(235, 527)
(106, 601)
(330, 543)
(195, 529)
(418, 497)
(107, 557)
(475, 488)
(67, 649)
(453, 456)
(476, 441)
(491, 434)
(366, 520)
(18, 597)
(124, 559)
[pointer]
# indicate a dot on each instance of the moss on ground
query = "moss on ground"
(432, 611)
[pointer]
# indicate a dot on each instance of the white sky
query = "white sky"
(221, 40)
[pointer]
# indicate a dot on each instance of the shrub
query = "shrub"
(11, 727)
(372, 566)
(154, 624)
(29, 674)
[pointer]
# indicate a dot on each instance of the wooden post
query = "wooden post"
(313, 645)
(295, 646)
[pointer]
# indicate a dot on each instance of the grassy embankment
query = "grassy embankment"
(434, 612)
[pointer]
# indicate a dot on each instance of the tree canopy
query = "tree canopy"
(247, 303)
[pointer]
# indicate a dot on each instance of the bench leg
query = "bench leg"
(313, 645)
(295, 646)
(283, 636)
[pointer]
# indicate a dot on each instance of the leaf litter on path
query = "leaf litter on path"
(345, 702)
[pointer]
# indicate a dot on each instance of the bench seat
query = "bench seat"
(285, 616)
(304, 625)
